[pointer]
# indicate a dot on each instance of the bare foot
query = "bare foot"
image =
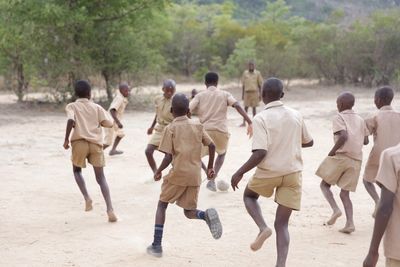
(115, 152)
(242, 125)
(260, 239)
(88, 206)
(334, 217)
(348, 229)
(111, 216)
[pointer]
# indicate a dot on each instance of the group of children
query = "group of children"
(279, 136)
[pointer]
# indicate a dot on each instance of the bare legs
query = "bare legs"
(326, 191)
(150, 159)
(114, 150)
(370, 187)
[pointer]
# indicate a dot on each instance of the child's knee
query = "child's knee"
(366, 183)
(187, 213)
(77, 170)
(323, 185)
(280, 224)
(162, 205)
(345, 195)
(149, 151)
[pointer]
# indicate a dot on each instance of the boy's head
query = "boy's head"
(169, 87)
(345, 101)
(251, 65)
(124, 89)
(180, 105)
(82, 89)
(383, 96)
(272, 90)
(211, 79)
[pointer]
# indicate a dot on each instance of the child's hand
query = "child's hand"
(66, 144)
(371, 260)
(250, 130)
(150, 131)
(210, 173)
(235, 180)
(332, 153)
(157, 176)
(120, 125)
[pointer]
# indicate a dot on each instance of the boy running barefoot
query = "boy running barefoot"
(161, 120)
(384, 125)
(85, 120)
(117, 109)
(182, 143)
(279, 135)
(343, 164)
(388, 213)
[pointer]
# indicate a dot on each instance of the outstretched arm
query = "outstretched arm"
(164, 164)
(253, 161)
(150, 130)
(245, 117)
(114, 116)
(70, 125)
(381, 221)
(342, 138)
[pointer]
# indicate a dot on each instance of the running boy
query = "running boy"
(385, 128)
(86, 119)
(182, 143)
(279, 135)
(343, 164)
(161, 120)
(117, 109)
(388, 213)
(211, 107)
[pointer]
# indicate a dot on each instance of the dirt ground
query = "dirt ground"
(42, 221)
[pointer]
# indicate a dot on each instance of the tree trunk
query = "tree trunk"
(107, 79)
(21, 83)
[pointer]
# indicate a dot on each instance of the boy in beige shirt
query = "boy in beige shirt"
(211, 107)
(279, 135)
(343, 164)
(384, 125)
(162, 118)
(182, 143)
(117, 109)
(85, 120)
(387, 219)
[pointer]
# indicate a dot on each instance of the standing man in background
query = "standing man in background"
(251, 88)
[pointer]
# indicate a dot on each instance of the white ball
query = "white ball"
(222, 185)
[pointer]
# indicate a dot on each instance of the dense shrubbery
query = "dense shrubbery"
(51, 43)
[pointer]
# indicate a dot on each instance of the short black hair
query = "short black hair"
(347, 98)
(82, 88)
(211, 78)
(180, 104)
(273, 88)
(386, 94)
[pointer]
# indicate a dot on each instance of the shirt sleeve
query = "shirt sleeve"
(205, 138)
(338, 124)
(166, 143)
(387, 175)
(105, 119)
(371, 124)
(230, 99)
(70, 112)
(193, 104)
(117, 103)
(305, 135)
(260, 135)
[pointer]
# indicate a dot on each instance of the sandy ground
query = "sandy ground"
(42, 221)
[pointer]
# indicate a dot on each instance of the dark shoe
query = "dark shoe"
(155, 251)
(213, 222)
(211, 186)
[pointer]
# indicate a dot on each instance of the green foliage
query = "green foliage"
(245, 50)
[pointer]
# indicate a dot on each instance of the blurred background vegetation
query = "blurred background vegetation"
(47, 44)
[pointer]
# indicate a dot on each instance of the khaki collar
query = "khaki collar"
(212, 88)
(181, 118)
(387, 107)
(273, 104)
(347, 111)
(82, 100)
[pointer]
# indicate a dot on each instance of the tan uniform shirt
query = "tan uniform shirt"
(356, 129)
(212, 107)
(281, 131)
(88, 117)
(252, 81)
(384, 125)
(163, 112)
(184, 139)
(119, 104)
(389, 177)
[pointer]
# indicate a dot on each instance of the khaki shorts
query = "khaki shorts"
(111, 132)
(184, 196)
(155, 139)
(287, 189)
(82, 150)
(220, 141)
(340, 170)
(251, 98)
(392, 263)
(370, 173)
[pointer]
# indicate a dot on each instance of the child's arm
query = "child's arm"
(255, 159)
(164, 164)
(245, 117)
(211, 155)
(150, 130)
(114, 116)
(70, 125)
(381, 221)
(342, 138)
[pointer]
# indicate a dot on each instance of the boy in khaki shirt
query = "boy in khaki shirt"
(343, 164)
(85, 120)
(384, 125)
(279, 135)
(117, 109)
(161, 120)
(211, 107)
(182, 143)
(387, 219)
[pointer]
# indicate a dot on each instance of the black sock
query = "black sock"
(201, 215)
(158, 233)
